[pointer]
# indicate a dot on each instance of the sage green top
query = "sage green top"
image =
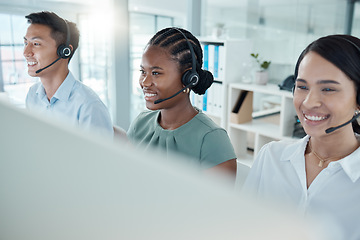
(200, 138)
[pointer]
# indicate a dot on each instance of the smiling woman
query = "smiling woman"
(321, 172)
(170, 68)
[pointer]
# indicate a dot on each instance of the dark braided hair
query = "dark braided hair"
(175, 43)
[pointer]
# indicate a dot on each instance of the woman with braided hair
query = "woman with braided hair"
(170, 68)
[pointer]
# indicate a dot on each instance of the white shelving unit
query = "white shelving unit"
(259, 129)
(232, 54)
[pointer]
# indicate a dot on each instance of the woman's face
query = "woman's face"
(324, 96)
(160, 78)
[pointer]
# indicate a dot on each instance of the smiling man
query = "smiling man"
(49, 44)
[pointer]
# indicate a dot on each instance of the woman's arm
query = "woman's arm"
(228, 168)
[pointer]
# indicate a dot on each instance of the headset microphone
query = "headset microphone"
(41, 69)
(329, 130)
(161, 100)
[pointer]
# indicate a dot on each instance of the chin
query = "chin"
(32, 74)
(151, 106)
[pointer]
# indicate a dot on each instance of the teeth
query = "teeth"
(31, 63)
(315, 118)
(150, 94)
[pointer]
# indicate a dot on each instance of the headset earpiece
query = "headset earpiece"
(190, 79)
(64, 50)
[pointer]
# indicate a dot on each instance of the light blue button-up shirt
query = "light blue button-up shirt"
(74, 103)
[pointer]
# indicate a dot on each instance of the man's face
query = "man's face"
(39, 49)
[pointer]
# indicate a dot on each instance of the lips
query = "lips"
(31, 63)
(150, 96)
(315, 118)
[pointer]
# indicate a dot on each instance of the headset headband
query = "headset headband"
(193, 69)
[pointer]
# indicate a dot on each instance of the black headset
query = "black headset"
(190, 78)
(64, 50)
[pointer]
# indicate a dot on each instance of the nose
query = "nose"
(145, 81)
(27, 51)
(312, 99)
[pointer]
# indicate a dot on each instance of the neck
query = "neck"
(52, 80)
(177, 116)
(334, 147)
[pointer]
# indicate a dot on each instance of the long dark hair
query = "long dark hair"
(344, 52)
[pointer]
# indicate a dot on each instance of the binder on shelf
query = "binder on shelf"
(221, 62)
(242, 111)
(217, 98)
(206, 57)
(216, 62)
(211, 61)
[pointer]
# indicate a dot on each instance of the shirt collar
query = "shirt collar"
(64, 91)
(40, 91)
(351, 165)
(295, 152)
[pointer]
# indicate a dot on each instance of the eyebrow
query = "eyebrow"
(154, 67)
(319, 81)
(33, 38)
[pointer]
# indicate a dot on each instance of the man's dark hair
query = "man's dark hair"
(58, 28)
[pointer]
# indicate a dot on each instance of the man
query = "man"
(49, 44)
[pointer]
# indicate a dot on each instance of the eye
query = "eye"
(142, 72)
(36, 44)
(328, 90)
(301, 87)
(155, 73)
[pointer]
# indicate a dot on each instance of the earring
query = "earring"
(357, 112)
(187, 90)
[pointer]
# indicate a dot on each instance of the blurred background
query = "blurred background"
(115, 32)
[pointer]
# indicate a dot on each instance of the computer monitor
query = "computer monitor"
(58, 182)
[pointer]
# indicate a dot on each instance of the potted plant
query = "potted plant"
(261, 75)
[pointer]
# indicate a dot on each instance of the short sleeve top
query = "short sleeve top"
(200, 138)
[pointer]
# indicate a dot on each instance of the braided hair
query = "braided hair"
(174, 42)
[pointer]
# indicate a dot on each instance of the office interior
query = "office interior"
(115, 32)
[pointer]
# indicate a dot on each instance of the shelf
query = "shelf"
(260, 127)
(271, 89)
(270, 124)
(221, 58)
